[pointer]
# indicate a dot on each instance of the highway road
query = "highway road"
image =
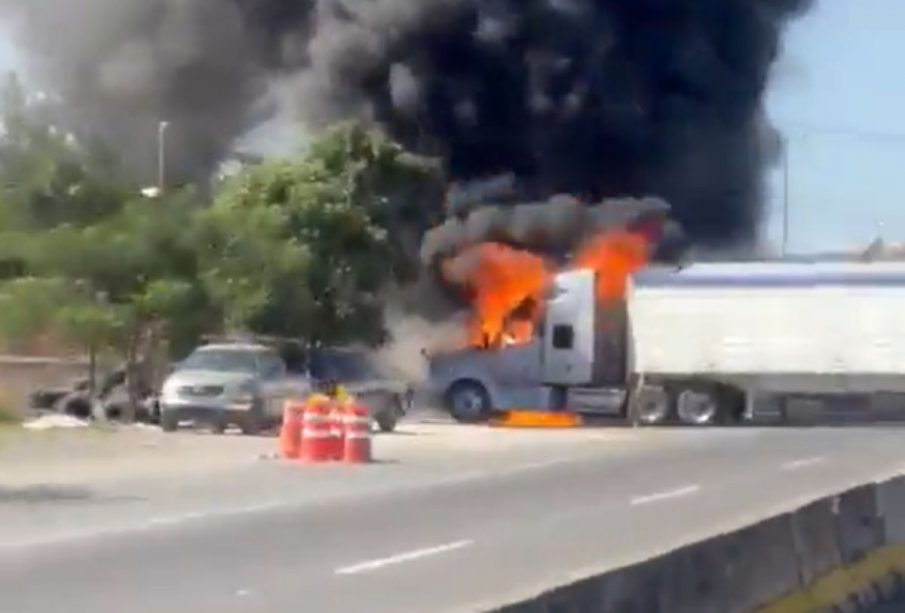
(418, 536)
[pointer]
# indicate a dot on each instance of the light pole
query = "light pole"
(785, 196)
(161, 154)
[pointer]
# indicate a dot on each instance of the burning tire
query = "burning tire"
(468, 402)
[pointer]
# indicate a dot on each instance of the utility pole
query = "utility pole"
(161, 155)
(785, 196)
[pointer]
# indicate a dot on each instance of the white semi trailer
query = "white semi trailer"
(701, 344)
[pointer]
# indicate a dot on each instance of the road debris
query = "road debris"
(55, 421)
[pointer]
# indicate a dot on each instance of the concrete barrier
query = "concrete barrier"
(768, 563)
(858, 523)
(815, 536)
(891, 501)
(842, 552)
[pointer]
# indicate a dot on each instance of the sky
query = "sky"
(838, 96)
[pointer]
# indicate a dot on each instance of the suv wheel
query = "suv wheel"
(253, 421)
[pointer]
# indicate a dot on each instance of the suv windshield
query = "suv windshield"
(225, 360)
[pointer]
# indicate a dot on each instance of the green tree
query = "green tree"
(122, 284)
(46, 176)
(306, 247)
(402, 192)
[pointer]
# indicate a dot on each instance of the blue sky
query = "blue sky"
(838, 94)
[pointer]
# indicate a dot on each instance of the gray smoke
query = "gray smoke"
(556, 227)
(595, 98)
(122, 66)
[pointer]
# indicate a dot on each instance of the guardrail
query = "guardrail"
(842, 552)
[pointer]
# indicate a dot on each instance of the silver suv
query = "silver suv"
(232, 383)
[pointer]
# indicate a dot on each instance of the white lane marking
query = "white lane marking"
(803, 463)
(173, 520)
(176, 519)
(688, 490)
(540, 465)
(408, 556)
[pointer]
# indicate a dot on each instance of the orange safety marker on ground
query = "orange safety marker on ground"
(291, 429)
(537, 419)
(316, 443)
(357, 443)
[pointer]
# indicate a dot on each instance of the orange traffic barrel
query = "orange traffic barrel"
(316, 433)
(291, 429)
(337, 428)
(357, 443)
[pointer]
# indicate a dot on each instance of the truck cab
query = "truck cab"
(577, 356)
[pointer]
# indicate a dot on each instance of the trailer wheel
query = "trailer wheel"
(698, 407)
(468, 402)
(651, 405)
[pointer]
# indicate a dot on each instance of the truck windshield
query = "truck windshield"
(224, 360)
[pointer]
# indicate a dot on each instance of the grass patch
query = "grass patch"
(9, 415)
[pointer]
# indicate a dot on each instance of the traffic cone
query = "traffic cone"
(357, 443)
(291, 430)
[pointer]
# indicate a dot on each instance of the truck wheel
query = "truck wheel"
(468, 402)
(169, 421)
(698, 407)
(651, 406)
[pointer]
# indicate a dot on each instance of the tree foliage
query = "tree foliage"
(306, 247)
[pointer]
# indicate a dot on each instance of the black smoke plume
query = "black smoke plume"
(594, 98)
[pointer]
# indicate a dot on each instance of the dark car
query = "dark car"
(372, 382)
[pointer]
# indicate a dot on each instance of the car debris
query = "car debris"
(53, 421)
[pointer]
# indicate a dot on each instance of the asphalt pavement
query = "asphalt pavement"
(461, 532)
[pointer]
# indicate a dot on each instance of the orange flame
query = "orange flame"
(614, 256)
(507, 287)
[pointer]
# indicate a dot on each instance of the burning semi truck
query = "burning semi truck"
(700, 344)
